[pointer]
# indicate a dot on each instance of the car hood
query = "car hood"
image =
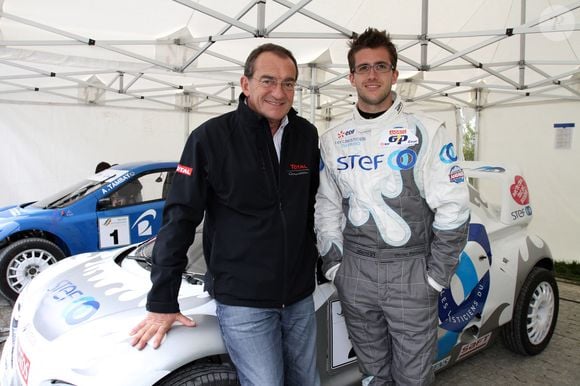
(94, 288)
(16, 212)
(72, 323)
(16, 217)
(91, 290)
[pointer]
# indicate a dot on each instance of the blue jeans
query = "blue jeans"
(271, 346)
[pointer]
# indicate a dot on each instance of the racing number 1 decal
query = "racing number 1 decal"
(114, 232)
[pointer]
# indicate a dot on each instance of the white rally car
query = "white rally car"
(70, 325)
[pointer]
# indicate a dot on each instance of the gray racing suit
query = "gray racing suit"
(391, 219)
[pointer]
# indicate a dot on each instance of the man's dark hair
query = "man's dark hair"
(371, 38)
(268, 47)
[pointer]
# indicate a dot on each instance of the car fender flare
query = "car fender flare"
(534, 253)
(8, 229)
(16, 232)
(184, 345)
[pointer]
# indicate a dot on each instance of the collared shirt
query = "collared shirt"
(278, 135)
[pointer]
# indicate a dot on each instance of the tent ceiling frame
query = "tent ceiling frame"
(234, 22)
(448, 89)
(211, 41)
(87, 41)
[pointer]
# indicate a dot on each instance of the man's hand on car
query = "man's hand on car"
(156, 326)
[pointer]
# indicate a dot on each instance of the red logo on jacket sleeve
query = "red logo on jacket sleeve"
(184, 170)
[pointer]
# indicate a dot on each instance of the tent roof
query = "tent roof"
(189, 54)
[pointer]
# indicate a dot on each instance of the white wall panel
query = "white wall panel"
(525, 135)
(44, 148)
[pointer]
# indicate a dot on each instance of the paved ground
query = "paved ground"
(559, 364)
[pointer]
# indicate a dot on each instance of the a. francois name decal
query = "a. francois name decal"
(118, 181)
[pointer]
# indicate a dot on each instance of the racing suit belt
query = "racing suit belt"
(386, 254)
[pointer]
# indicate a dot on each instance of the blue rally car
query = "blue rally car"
(119, 206)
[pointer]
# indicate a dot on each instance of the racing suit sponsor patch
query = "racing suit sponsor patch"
(447, 154)
(354, 141)
(398, 137)
(347, 138)
(365, 252)
(402, 159)
(181, 169)
(456, 175)
(344, 133)
(399, 107)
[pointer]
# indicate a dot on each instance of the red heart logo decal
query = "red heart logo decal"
(519, 191)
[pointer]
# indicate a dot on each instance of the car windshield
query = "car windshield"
(79, 190)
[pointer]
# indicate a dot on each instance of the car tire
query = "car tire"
(535, 314)
(202, 374)
(22, 260)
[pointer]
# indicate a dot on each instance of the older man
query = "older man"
(253, 173)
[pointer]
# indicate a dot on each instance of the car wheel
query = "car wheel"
(535, 314)
(202, 374)
(22, 260)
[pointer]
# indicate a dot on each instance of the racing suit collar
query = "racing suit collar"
(392, 113)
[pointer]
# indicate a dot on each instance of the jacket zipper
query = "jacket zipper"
(280, 208)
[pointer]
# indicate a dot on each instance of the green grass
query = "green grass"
(568, 270)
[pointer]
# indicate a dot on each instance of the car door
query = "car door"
(133, 212)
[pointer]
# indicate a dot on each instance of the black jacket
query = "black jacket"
(259, 241)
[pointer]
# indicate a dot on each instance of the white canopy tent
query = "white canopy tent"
(149, 52)
(88, 80)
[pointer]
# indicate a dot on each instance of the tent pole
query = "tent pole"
(460, 125)
(313, 93)
(523, 46)
(300, 92)
(186, 124)
(424, 31)
(261, 18)
(476, 124)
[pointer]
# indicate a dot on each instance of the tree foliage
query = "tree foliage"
(469, 142)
